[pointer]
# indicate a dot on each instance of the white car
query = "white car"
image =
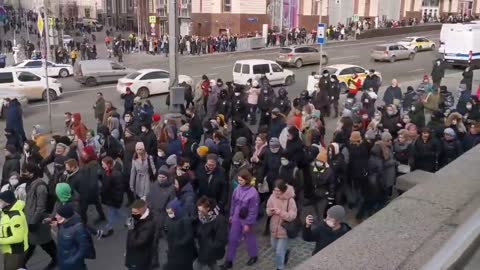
(54, 70)
(27, 83)
(11, 95)
(147, 82)
(243, 70)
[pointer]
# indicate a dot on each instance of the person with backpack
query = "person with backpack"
(36, 212)
(75, 243)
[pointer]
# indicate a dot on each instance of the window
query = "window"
(380, 48)
(301, 50)
(261, 69)
(358, 70)
(116, 66)
(6, 77)
(34, 64)
(276, 68)
(237, 68)
(152, 6)
(133, 75)
(347, 71)
(312, 50)
(27, 77)
(285, 50)
(246, 69)
(393, 48)
(227, 5)
(401, 47)
(155, 75)
(87, 12)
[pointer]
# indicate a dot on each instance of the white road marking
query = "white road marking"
(343, 57)
(90, 89)
(53, 103)
(416, 70)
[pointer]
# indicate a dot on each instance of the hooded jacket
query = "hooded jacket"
(79, 129)
(73, 240)
(113, 187)
(42, 140)
(288, 212)
(14, 229)
(245, 196)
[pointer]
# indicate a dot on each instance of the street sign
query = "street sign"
(356, 18)
(152, 19)
(51, 21)
(321, 40)
(40, 25)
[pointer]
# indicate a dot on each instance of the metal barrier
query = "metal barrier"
(253, 43)
(457, 251)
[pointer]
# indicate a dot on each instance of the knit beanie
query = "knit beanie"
(238, 157)
(386, 136)
(66, 211)
(241, 141)
(64, 192)
(202, 151)
(139, 146)
(171, 160)
(8, 196)
(337, 212)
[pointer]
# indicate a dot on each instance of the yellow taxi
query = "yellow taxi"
(417, 43)
(345, 72)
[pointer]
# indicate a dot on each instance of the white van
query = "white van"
(243, 70)
(462, 44)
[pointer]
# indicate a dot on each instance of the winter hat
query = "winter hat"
(274, 143)
(172, 160)
(370, 134)
(139, 146)
(202, 151)
(241, 141)
(156, 117)
(10, 148)
(337, 212)
(163, 171)
(212, 157)
(210, 143)
(65, 141)
(356, 136)
(450, 132)
(322, 156)
(176, 207)
(63, 192)
(66, 211)
(386, 136)
(275, 110)
(182, 180)
(238, 157)
(90, 151)
(8, 196)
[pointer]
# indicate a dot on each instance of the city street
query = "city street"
(77, 98)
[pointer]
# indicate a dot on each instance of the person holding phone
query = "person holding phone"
(329, 230)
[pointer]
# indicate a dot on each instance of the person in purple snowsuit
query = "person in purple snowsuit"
(243, 217)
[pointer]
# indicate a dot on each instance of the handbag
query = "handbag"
(263, 187)
(150, 170)
(292, 227)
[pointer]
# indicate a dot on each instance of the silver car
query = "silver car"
(392, 53)
(300, 55)
(94, 72)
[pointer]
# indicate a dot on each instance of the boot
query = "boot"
(287, 256)
(252, 261)
(227, 265)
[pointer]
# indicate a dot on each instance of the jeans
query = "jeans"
(280, 246)
(114, 216)
(199, 266)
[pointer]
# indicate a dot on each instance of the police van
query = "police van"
(461, 44)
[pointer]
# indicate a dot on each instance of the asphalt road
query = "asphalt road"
(80, 99)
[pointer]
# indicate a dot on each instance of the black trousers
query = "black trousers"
(13, 261)
(50, 248)
(84, 209)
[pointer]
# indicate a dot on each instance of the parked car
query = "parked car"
(94, 72)
(29, 84)
(417, 43)
(344, 73)
(4, 94)
(37, 67)
(392, 53)
(147, 82)
(300, 55)
(243, 70)
(67, 39)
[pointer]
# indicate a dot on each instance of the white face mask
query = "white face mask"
(468, 106)
(144, 129)
(237, 94)
(284, 162)
(319, 163)
(412, 109)
(179, 172)
(161, 154)
(171, 215)
(330, 223)
(274, 150)
(13, 181)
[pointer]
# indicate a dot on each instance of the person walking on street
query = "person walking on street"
(393, 94)
(13, 220)
(142, 173)
(243, 217)
(438, 72)
(211, 234)
(282, 208)
(140, 238)
(99, 107)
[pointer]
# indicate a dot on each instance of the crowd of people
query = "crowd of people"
(198, 186)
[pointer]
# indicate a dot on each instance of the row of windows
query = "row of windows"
(257, 69)
(7, 77)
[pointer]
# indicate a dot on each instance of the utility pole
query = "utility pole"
(176, 92)
(321, 44)
(45, 62)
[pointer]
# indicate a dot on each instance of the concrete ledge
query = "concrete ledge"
(407, 232)
(399, 31)
(409, 180)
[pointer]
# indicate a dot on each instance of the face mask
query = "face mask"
(284, 162)
(332, 80)
(144, 130)
(330, 223)
(319, 164)
(136, 217)
(274, 150)
(468, 106)
(390, 113)
(26, 147)
(52, 142)
(325, 75)
(365, 117)
(13, 181)
(180, 172)
(161, 154)
(454, 122)
(171, 215)
(412, 109)
(237, 94)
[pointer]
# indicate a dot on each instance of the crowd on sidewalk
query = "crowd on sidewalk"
(198, 186)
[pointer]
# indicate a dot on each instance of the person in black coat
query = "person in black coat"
(277, 124)
(324, 81)
(294, 149)
(451, 148)
(211, 181)
(320, 99)
(409, 99)
(472, 138)
(438, 72)
(211, 234)
(392, 94)
(334, 94)
(195, 125)
(372, 81)
(468, 79)
(110, 146)
(149, 140)
(357, 167)
(239, 129)
(14, 139)
(265, 104)
(239, 104)
(113, 187)
(128, 101)
(12, 163)
(224, 104)
(140, 238)
(425, 152)
(182, 250)
(282, 102)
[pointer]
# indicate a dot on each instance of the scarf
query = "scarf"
(211, 216)
(258, 150)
